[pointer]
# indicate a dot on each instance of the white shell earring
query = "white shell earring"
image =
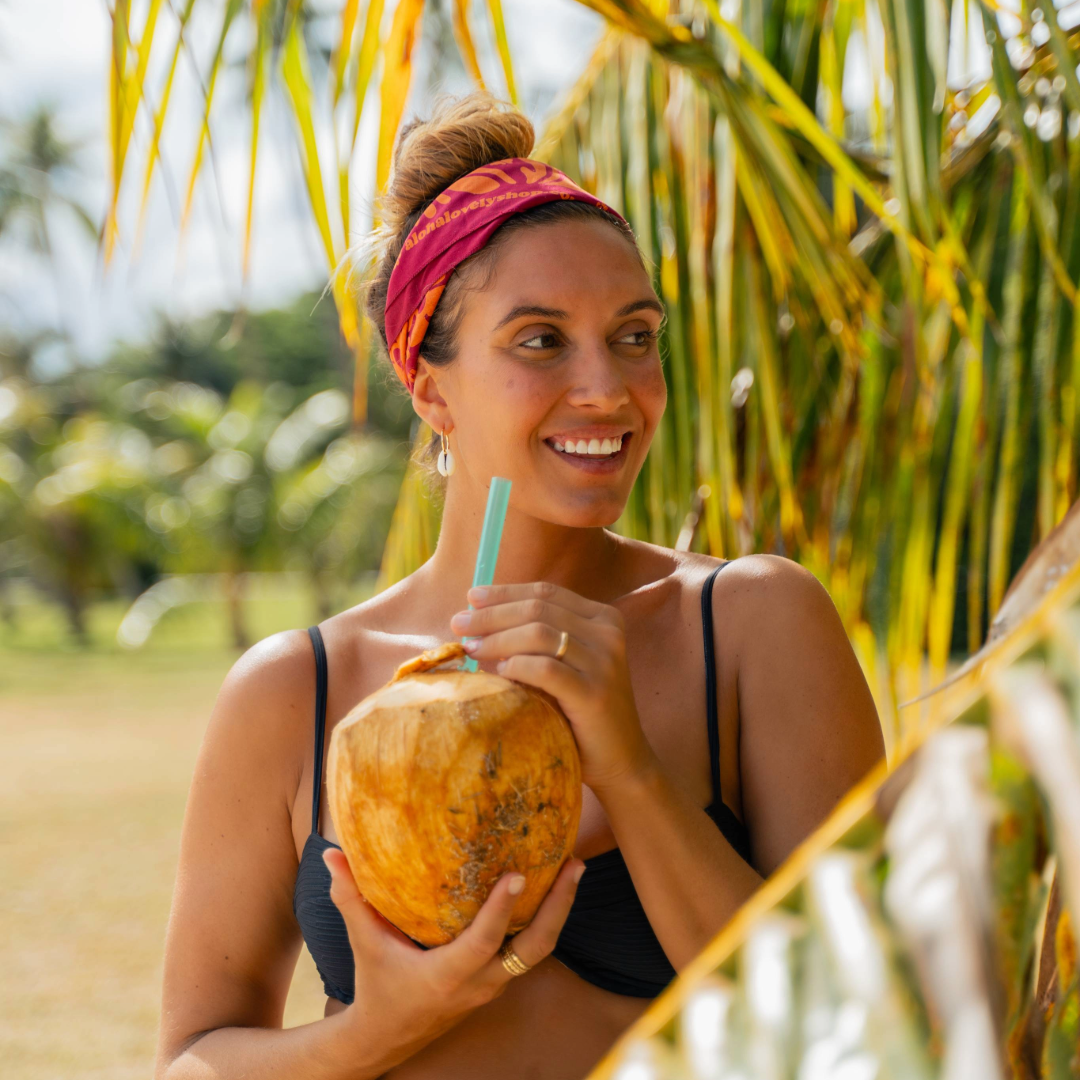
(446, 459)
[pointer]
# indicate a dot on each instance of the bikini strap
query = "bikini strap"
(711, 713)
(321, 679)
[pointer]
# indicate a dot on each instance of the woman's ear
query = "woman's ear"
(428, 403)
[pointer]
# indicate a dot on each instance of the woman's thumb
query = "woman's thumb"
(358, 914)
(364, 924)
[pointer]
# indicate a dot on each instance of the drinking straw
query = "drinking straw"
(490, 538)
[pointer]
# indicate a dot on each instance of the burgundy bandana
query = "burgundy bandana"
(457, 224)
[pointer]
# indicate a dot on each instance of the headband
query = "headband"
(458, 223)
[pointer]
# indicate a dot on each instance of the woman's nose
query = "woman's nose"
(598, 379)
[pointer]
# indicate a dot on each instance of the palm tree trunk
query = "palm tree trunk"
(324, 607)
(234, 595)
(73, 605)
(7, 608)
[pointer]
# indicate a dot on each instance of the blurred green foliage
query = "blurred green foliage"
(221, 446)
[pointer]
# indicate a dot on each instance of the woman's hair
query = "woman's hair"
(461, 135)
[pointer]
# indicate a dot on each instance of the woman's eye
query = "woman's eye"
(640, 338)
(540, 342)
(549, 339)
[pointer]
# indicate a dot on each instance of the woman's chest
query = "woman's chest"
(667, 669)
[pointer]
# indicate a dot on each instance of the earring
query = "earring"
(446, 459)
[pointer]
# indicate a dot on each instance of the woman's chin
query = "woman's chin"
(584, 509)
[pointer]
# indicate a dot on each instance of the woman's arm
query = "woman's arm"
(689, 879)
(808, 731)
(233, 941)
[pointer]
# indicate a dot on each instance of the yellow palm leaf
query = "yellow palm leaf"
(232, 9)
(503, 45)
(297, 78)
(343, 52)
(397, 75)
(160, 113)
(259, 61)
(460, 17)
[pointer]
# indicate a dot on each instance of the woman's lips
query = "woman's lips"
(612, 463)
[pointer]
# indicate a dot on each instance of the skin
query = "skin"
(797, 722)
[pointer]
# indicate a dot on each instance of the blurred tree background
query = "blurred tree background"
(223, 447)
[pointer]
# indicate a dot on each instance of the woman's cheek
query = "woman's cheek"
(531, 394)
(651, 392)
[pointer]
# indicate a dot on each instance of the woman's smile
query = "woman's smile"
(599, 454)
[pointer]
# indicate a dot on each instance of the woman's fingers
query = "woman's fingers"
(539, 938)
(547, 673)
(538, 639)
(480, 940)
(366, 927)
(488, 595)
(495, 617)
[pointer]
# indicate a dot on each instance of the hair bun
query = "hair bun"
(461, 135)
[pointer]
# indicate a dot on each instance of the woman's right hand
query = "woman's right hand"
(406, 996)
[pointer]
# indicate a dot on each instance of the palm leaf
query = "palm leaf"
(503, 46)
(232, 9)
(460, 16)
(153, 156)
(259, 62)
(297, 77)
(397, 74)
(366, 55)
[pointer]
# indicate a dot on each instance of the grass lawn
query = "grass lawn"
(96, 751)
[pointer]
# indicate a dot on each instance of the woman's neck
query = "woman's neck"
(581, 559)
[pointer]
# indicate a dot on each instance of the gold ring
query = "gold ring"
(511, 961)
(564, 642)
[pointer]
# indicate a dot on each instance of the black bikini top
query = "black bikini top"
(606, 939)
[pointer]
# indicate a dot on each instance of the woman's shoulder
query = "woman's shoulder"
(765, 597)
(279, 671)
(270, 687)
(689, 568)
(755, 592)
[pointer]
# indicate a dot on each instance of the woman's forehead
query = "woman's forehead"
(588, 239)
(563, 268)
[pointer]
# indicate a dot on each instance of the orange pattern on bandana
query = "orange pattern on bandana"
(456, 224)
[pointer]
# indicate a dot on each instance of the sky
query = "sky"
(57, 51)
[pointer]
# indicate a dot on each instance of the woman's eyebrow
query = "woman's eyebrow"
(537, 312)
(641, 305)
(531, 310)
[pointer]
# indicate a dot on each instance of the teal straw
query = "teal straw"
(490, 538)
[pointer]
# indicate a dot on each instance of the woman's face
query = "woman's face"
(557, 363)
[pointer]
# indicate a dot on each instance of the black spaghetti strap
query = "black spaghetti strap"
(712, 717)
(321, 678)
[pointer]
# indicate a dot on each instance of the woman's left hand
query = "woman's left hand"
(522, 625)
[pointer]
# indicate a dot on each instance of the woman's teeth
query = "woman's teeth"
(589, 446)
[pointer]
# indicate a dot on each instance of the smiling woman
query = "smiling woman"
(718, 716)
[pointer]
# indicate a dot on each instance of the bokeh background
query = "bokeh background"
(861, 214)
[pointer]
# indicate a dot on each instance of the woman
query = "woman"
(519, 314)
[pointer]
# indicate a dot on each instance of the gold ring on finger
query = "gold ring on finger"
(510, 959)
(564, 642)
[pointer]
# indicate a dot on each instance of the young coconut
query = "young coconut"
(444, 780)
